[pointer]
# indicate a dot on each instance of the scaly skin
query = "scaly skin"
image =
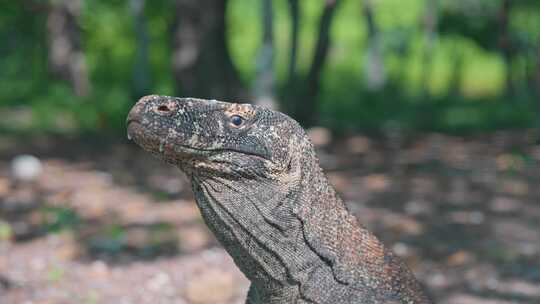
(260, 189)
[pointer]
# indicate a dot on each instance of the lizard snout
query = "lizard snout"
(135, 113)
(151, 104)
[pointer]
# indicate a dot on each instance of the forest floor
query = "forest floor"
(107, 223)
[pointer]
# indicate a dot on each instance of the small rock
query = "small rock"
(26, 168)
(158, 282)
(401, 249)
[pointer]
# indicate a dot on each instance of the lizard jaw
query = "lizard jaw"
(137, 133)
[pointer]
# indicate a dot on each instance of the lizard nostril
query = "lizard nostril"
(163, 108)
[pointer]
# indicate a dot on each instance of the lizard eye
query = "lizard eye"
(237, 120)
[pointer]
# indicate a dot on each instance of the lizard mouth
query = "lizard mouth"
(133, 129)
(162, 146)
(171, 150)
(130, 123)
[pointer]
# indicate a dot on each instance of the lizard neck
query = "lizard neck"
(259, 294)
(255, 223)
(354, 254)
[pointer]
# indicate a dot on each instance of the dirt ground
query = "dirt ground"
(107, 223)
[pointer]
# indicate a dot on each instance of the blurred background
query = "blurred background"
(425, 114)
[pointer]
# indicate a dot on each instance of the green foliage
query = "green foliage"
(6, 232)
(465, 88)
(140, 240)
(110, 240)
(56, 219)
(475, 20)
(23, 54)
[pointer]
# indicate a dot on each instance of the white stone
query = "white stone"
(26, 168)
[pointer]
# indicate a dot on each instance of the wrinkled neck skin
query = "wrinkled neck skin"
(255, 219)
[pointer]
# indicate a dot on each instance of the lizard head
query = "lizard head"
(205, 136)
(246, 164)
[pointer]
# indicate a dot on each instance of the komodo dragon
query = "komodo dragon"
(260, 189)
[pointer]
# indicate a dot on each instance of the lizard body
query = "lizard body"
(260, 189)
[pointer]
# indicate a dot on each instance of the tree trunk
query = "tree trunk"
(307, 110)
(294, 11)
(456, 78)
(201, 61)
(141, 70)
(374, 68)
(505, 43)
(431, 17)
(66, 58)
(293, 89)
(536, 80)
(264, 84)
